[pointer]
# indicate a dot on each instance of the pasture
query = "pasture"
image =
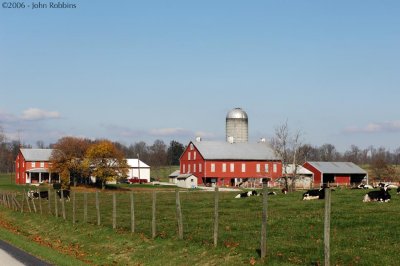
(361, 233)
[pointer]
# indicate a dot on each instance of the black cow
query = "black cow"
(65, 194)
(398, 190)
(381, 195)
(314, 194)
(36, 194)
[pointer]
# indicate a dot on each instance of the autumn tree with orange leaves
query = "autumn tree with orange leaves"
(67, 159)
(106, 162)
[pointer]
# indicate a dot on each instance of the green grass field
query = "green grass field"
(361, 233)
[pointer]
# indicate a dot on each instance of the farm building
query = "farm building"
(186, 181)
(230, 164)
(32, 167)
(138, 170)
(172, 177)
(340, 173)
(303, 177)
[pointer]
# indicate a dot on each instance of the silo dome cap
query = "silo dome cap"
(237, 113)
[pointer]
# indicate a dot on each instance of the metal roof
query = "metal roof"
(215, 150)
(300, 170)
(237, 113)
(175, 173)
(134, 163)
(36, 155)
(338, 167)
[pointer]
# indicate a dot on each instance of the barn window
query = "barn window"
(200, 167)
(191, 146)
(266, 168)
(275, 168)
(194, 167)
(243, 167)
(41, 164)
(183, 168)
(189, 156)
(194, 155)
(232, 166)
(258, 168)
(213, 167)
(33, 164)
(188, 168)
(224, 167)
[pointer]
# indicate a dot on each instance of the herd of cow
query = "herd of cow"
(381, 195)
(35, 194)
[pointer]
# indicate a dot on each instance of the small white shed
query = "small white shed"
(173, 177)
(187, 181)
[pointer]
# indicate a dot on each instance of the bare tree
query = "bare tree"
(287, 146)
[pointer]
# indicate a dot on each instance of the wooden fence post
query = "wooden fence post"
(22, 203)
(49, 204)
(114, 216)
(216, 218)
(34, 205)
(73, 207)
(97, 207)
(264, 223)
(132, 213)
(63, 204)
(153, 220)
(327, 226)
(55, 205)
(27, 201)
(40, 204)
(179, 215)
(85, 203)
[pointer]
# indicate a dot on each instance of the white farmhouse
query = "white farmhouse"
(187, 181)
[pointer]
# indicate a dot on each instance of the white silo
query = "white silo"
(237, 126)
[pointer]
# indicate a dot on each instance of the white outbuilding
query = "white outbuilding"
(187, 181)
(138, 169)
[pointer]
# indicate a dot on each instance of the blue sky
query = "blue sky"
(145, 70)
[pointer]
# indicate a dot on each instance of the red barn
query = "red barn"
(230, 164)
(341, 173)
(32, 167)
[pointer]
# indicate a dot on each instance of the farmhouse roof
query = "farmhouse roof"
(175, 173)
(134, 163)
(36, 154)
(300, 170)
(338, 167)
(215, 150)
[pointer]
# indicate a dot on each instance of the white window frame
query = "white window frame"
(183, 168)
(243, 167)
(275, 167)
(194, 155)
(42, 164)
(224, 167)
(33, 164)
(213, 168)
(200, 167)
(194, 168)
(189, 156)
(232, 167)
(258, 168)
(266, 168)
(188, 169)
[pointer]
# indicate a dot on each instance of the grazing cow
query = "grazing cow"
(398, 190)
(32, 194)
(381, 195)
(272, 193)
(284, 191)
(65, 194)
(247, 194)
(314, 194)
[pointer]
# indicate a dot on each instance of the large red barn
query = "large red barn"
(230, 164)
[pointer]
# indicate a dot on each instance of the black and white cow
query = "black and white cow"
(65, 194)
(247, 194)
(32, 194)
(398, 190)
(381, 195)
(314, 194)
(272, 193)
(284, 190)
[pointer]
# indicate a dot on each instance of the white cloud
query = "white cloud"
(387, 126)
(38, 114)
(165, 132)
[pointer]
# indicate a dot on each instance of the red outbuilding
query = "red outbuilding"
(340, 173)
(32, 167)
(230, 164)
